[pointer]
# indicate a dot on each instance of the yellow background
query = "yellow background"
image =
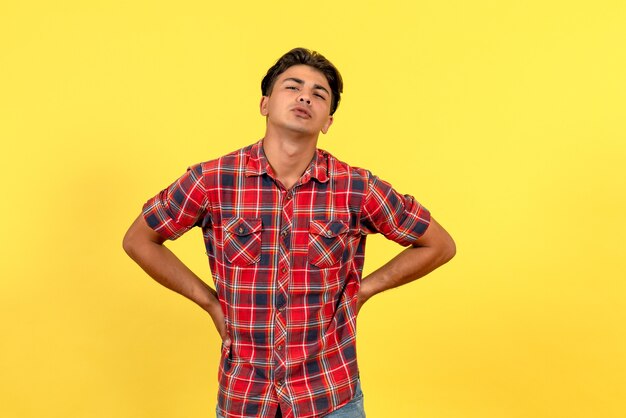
(505, 118)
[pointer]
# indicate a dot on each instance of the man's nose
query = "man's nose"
(304, 98)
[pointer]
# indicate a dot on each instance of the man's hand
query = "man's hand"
(145, 247)
(435, 248)
(217, 315)
(361, 298)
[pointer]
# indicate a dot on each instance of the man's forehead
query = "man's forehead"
(305, 73)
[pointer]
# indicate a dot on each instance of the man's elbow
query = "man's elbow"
(129, 243)
(139, 238)
(440, 242)
(448, 250)
(445, 248)
(133, 239)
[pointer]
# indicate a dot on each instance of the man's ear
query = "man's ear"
(263, 105)
(327, 124)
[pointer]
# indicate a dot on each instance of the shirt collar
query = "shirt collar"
(258, 165)
(319, 166)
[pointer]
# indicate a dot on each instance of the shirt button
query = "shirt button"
(280, 347)
(284, 233)
(240, 229)
(289, 196)
(283, 270)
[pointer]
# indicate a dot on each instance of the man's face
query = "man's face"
(300, 101)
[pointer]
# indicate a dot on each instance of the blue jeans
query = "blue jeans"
(353, 409)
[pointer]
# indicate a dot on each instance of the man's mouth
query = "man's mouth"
(300, 111)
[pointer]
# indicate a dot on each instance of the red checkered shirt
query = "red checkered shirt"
(287, 266)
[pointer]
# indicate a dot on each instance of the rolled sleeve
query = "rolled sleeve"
(179, 207)
(398, 217)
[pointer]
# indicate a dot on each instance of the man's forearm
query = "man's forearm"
(411, 264)
(146, 248)
(167, 269)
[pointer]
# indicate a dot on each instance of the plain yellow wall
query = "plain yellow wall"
(505, 118)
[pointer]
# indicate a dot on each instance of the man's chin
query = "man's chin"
(303, 130)
(298, 129)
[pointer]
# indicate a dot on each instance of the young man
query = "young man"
(284, 226)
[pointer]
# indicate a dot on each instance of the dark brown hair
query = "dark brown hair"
(303, 56)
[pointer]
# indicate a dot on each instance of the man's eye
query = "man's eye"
(292, 88)
(320, 96)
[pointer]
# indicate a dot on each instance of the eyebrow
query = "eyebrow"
(301, 82)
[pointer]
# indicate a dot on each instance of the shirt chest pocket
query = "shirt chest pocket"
(242, 240)
(327, 242)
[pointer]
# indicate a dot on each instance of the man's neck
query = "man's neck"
(289, 156)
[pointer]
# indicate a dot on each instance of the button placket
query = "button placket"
(282, 284)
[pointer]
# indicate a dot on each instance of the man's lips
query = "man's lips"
(301, 111)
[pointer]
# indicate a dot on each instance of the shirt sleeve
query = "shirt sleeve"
(180, 206)
(398, 217)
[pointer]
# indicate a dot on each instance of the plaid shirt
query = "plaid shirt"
(287, 266)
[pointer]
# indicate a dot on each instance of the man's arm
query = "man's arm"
(145, 247)
(433, 249)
